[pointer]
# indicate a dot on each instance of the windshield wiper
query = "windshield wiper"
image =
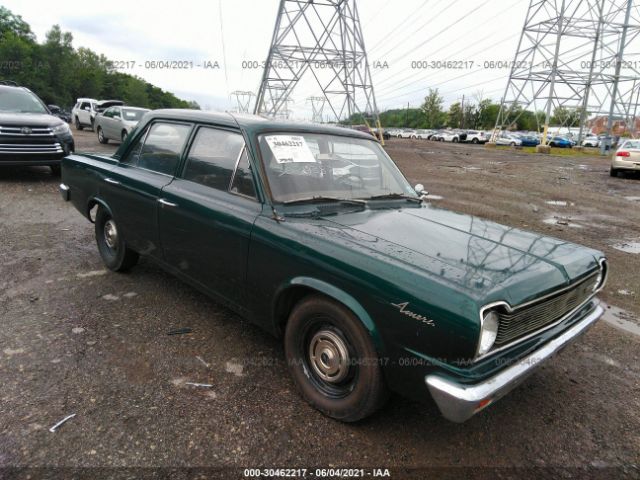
(395, 196)
(320, 199)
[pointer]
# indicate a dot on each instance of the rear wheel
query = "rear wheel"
(333, 361)
(111, 245)
(123, 136)
(456, 139)
(78, 126)
(613, 172)
(101, 137)
(475, 141)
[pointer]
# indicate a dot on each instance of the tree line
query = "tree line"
(59, 74)
(476, 113)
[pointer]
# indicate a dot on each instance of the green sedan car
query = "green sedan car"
(314, 234)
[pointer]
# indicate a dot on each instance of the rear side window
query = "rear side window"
(163, 147)
(213, 158)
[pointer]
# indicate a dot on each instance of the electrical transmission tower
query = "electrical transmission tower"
(317, 107)
(242, 100)
(323, 40)
(575, 59)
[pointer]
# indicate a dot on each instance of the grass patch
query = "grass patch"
(564, 152)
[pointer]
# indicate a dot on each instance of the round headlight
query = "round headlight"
(488, 332)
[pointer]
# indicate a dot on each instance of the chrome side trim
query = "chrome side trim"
(459, 402)
(603, 267)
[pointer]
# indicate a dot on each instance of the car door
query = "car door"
(208, 212)
(108, 122)
(132, 189)
(84, 113)
(115, 122)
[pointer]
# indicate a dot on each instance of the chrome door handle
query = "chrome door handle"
(112, 181)
(167, 203)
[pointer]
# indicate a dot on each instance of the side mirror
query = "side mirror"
(419, 188)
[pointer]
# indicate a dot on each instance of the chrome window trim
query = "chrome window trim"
(603, 268)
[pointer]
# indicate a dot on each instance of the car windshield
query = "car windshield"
(306, 166)
(20, 101)
(133, 114)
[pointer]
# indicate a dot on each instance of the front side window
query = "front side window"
(243, 179)
(307, 166)
(213, 158)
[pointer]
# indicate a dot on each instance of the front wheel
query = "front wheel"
(333, 361)
(475, 141)
(111, 245)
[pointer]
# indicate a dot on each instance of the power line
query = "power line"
(412, 16)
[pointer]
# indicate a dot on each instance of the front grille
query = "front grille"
(30, 148)
(529, 318)
(19, 131)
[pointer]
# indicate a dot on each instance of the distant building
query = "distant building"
(621, 127)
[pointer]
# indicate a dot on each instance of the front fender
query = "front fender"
(344, 298)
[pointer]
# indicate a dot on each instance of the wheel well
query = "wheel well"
(285, 303)
(92, 208)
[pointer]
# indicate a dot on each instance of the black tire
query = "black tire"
(123, 136)
(78, 125)
(357, 387)
(613, 172)
(101, 137)
(552, 145)
(55, 170)
(112, 247)
(92, 127)
(475, 141)
(455, 140)
(513, 144)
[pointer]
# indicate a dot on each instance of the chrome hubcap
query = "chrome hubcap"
(110, 234)
(329, 356)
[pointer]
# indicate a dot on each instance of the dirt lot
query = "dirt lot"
(76, 339)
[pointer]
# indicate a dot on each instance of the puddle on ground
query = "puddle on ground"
(561, 221)
(628, 247)
(621, 319)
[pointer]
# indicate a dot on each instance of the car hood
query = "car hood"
(28, 119)
(490, 261)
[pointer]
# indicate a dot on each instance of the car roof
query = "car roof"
(254, 124)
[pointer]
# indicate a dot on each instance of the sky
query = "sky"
(222, 44)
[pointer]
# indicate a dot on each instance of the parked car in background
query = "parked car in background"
(627, 158)
(29, 133)
(506, 138)
(314, 234)
(393, 132)
(58, 112)
(85, 110)
(591, 141)
(408, 134)
(528, 140)
(116, 123)
(477, 136)
(560, 142)
(424, 134)
(450, 136)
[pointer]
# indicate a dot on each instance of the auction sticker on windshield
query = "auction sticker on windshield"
(290, 149)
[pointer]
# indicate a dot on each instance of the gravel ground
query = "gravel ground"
(77, 339)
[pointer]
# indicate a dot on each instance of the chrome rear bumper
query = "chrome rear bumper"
(459, 402)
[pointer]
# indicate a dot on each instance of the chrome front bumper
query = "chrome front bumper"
(459, 402)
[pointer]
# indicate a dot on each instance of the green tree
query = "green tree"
(432, 109)
(454, 116)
